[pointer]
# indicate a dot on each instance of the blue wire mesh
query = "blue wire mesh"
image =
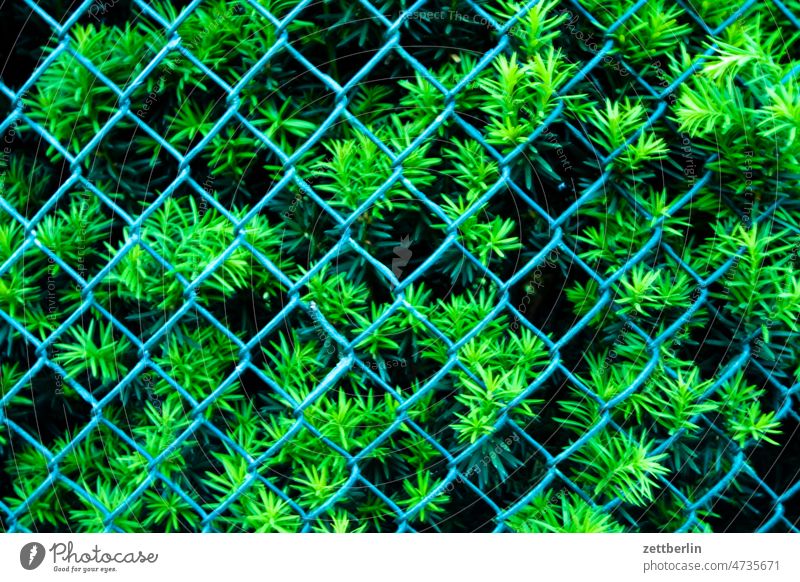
(283, 48)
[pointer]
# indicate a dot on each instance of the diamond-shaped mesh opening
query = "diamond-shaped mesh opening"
(31, 174)
(459, 20)
(48, 393)
(47, 512)
(414, 475)
(68, 91)
(352, 28)
(261, 509)
(18, 298)
(757, 508)
(267, 103)
(467, 502)
(196, 355)
(213, 35)
(75, 230)
(497, 466)
(128, 162)
(93, 352)
(670, 24)
(296, 356)
(770, 466)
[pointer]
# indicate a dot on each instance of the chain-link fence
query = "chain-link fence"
(19, 507)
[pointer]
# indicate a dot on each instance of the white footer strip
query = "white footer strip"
(403, 557)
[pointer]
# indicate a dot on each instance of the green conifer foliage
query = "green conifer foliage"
(273, 275)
